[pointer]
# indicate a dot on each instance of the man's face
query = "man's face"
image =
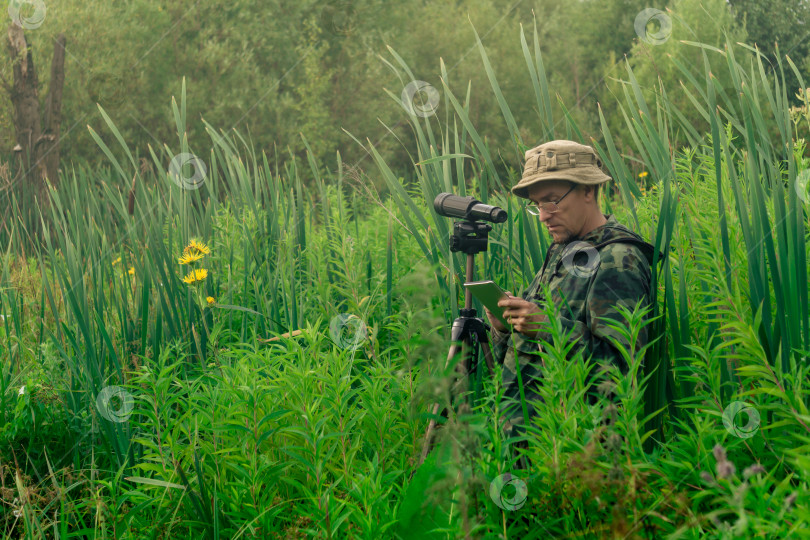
(569, 220)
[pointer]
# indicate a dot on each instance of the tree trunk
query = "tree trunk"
(49, 150)
(39, 144)
(25, 99)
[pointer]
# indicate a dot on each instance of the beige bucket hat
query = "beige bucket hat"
(560, 160)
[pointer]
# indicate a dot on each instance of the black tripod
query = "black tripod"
(468, 331)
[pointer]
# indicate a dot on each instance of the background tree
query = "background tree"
(786, 22)
(37, 143)
(705, 21)
(275, 69)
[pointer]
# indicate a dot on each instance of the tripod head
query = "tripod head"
(470, 237)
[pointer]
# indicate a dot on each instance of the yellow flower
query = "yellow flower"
(643, 174)
(131, 270)
(116, 261)
(189, 256)
(196, 275)
(199, 246)
(194, 251)
(210, 300)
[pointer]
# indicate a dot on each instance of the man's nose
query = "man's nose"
(544, 214)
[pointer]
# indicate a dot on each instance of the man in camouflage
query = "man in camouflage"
(594, 265)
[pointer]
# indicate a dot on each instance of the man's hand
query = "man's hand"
(524, 316)
(495, 321)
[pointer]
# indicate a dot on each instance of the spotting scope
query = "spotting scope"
(449, 205)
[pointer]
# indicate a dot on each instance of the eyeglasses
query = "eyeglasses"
(550, 207)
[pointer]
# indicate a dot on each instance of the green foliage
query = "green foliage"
(665, 67)
(37, 424)
(776, 22)
(253, 416)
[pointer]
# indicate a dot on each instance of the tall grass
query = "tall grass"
(110, 277)
(233, 435)
(729, 231)
(769, 212)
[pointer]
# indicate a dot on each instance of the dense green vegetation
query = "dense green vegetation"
(248, 67)
(254, 352)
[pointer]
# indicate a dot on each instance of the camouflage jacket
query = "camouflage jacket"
(587, 278)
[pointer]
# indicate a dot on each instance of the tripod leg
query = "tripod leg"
(466, 335)
(428, 444)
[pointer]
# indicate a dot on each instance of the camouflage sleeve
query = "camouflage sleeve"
(622, 279)
(500, 343)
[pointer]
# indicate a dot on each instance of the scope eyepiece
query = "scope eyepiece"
(449, 205)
